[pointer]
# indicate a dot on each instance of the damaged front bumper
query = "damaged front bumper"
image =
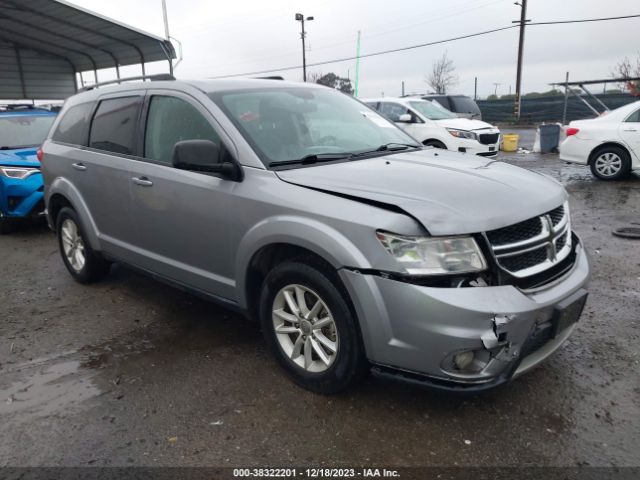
(413, 333)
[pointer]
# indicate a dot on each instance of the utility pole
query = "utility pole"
(523, 23)
(475, 89)
(357, 66)
(403, 88)
(495, 90)
(300, 18)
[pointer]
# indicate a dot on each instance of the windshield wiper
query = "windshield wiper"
(389, 147)
(313, 158)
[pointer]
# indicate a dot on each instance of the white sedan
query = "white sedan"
(609, 144)
(435, 126)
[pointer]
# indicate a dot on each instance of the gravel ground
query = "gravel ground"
(133, 372)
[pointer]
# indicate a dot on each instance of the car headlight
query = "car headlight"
(462, 134)
(434, 255)
(18, 172)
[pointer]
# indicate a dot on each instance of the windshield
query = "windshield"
(21, 131)
(287, 124)
(432, 110)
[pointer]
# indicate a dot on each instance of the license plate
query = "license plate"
(492, 149)
(568, 311)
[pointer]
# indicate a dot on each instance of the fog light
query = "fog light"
(463, 360)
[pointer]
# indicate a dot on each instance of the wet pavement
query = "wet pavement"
(132, 372)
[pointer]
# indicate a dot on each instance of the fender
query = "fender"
(62, 186)
(313, 235)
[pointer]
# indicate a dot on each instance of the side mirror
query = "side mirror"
(405, 118)
(201, 156)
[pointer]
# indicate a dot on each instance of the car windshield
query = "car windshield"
(294, 124)
(432, 110)
(22, 131)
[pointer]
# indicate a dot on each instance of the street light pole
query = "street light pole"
(300, 18)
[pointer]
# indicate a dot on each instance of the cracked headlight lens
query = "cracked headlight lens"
(434, 255)
(462, 134)
(18, 172)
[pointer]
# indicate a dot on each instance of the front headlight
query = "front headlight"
(462, 134)
(18, 172)
(434, 255)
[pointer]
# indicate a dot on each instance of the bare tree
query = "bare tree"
(443, 75)
(625, 68)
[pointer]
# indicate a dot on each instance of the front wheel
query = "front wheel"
(435, 144)
(610, 163)
(84, 265)
(310, 328)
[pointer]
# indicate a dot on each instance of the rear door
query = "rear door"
(183, 218)
(104, 169)
(629, 131)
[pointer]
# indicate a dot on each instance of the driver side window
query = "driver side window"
(393, 110)
(171, 120)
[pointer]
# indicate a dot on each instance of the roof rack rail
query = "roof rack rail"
(272, 77)
(159, 76)
(17, 106)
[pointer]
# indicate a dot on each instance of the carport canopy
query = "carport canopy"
(45, 43)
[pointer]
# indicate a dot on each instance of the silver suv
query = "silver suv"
(356, 248)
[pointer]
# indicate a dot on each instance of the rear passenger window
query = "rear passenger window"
(114, 125)
(73, 125)
(171, 120)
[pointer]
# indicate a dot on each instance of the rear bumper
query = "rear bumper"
(21, 198)
(410, 331)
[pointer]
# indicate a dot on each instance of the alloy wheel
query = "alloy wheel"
(73, 245)
(305, 328)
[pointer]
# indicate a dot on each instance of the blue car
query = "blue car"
(22, 130)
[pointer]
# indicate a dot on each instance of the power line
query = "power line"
(421, 45)
(373, 54)
(584, 20)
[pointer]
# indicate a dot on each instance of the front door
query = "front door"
(183, 218)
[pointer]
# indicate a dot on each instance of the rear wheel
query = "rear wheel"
(310, 328)
(610, 163)
(84, 265)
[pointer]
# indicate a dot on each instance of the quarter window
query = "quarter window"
(114, 125)
(634, 117)
(171, 120)
(72, 128)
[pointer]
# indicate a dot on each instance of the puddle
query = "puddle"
(47, 389)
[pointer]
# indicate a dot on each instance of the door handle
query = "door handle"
(629, 129)
(79, 166)
(142, 181)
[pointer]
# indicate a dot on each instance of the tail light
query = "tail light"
(572, 131)
(39, 154)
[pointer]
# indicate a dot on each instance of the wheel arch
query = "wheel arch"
(275, 240)
(604, 145)
(61, 193)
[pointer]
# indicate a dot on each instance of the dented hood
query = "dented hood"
(449, 193)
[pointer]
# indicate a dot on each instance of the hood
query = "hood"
(464, 124)
(23, 157)
(447, 192)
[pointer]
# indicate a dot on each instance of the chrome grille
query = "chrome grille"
(532, 246)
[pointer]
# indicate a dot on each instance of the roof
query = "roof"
(35, 112)
(43, 43)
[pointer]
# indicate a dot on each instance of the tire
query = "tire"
(326, 374)
(7, 225)
(84, 265)
(610, 163)
(435, 144)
